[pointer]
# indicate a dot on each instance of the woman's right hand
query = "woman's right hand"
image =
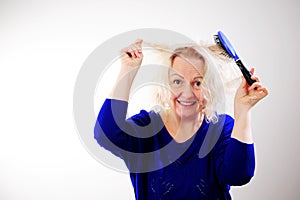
(132, 56)
(131, 60)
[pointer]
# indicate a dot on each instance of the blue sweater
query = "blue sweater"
(203, 167)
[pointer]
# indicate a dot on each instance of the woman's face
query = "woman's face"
(185, 78)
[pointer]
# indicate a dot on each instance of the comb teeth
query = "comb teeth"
(217, 39)
(221, 50)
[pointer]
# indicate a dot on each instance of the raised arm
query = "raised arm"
(235, 151)
(111, 128)
(131, 59)
(246, 97)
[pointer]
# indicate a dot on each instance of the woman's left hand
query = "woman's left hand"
(247, 96)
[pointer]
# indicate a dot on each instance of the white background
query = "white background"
(43, 45)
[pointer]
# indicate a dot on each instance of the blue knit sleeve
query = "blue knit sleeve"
(120, 135)
(235, 160)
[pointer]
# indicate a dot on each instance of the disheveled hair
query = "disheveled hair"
(212, 83)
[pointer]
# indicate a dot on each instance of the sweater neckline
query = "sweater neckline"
(168, 137)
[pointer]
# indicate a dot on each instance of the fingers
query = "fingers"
(254, 86)
(244, 83)
(257, 87)
(252, 70)
(255, 78)
(135, 49)
(139, 41)
(249, 95)
(257, 90)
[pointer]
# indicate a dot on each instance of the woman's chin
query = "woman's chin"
(187, 113)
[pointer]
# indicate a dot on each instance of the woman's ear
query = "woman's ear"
(203, 103)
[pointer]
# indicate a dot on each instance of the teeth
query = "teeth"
(186, 103)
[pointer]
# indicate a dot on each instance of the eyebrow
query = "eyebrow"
(201, 77)
(176, 74)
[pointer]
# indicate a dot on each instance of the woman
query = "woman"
(164, 151)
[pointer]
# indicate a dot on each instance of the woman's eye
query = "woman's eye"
(197, 83)
(177, 82)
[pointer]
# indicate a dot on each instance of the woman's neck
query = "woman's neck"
(182, 129)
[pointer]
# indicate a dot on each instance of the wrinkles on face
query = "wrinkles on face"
(185, 78)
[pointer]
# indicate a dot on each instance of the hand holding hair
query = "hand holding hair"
(132, 55)
(131, 60)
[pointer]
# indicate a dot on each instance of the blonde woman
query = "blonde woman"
(164, 151)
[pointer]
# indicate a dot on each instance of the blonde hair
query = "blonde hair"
(212, 84)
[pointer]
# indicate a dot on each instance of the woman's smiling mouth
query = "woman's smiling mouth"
(187, 103)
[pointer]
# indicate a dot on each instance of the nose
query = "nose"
(187, 91)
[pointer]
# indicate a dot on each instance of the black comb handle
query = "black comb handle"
(245, 72)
